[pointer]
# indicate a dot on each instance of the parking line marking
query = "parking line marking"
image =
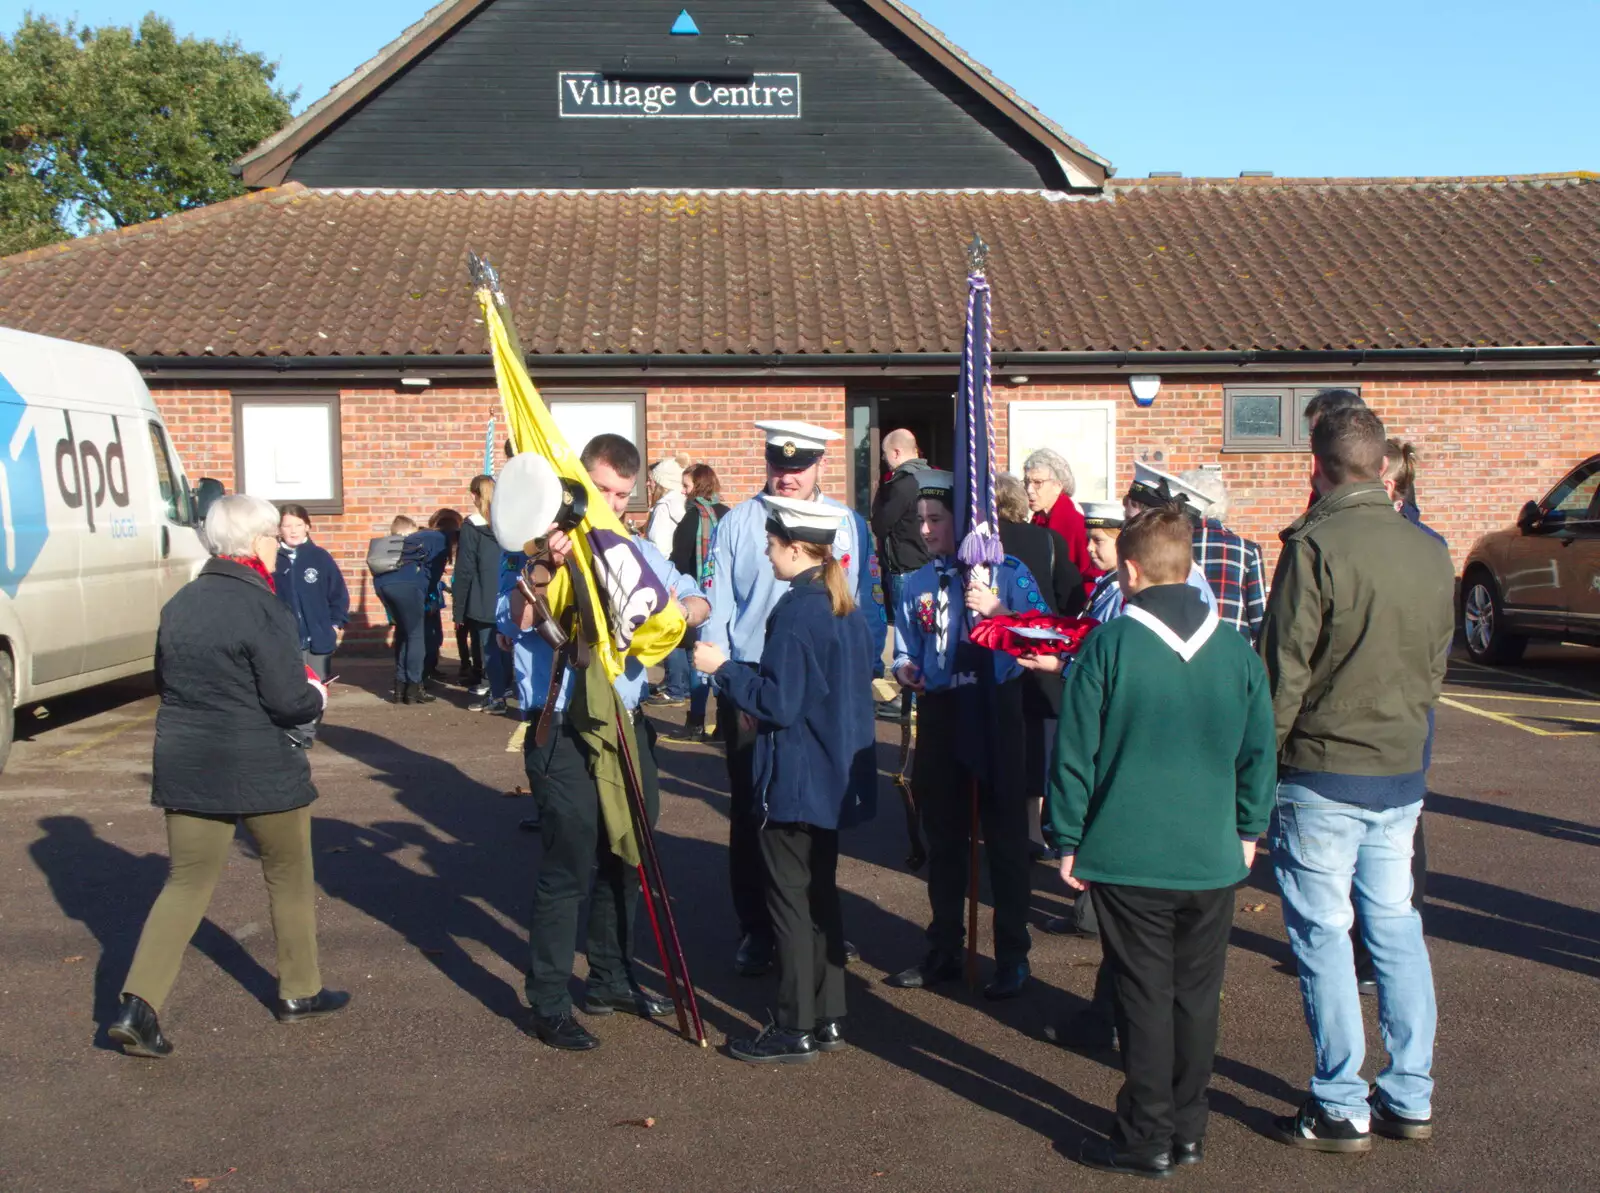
(1501, 717)
(1534, 679)
(1523, 699)
(102, 738)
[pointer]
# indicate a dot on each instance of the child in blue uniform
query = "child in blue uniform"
(811, 703)
(969, 729)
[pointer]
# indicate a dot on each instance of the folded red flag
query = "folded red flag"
(1033, 633)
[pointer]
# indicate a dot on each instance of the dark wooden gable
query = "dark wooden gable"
(480, 106)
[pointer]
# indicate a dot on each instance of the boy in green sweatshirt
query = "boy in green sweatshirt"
(1165, 768)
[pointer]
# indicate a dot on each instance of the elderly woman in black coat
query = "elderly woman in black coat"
(232, 685)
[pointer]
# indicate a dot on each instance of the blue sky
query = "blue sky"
(1360, 87)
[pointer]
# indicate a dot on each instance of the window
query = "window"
(1269, 418)
(287, 448)
(170, 485)
(1570, 501)
(583, 413)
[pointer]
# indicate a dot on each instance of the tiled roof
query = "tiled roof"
(1190, 265)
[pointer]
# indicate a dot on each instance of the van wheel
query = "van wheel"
(8, 707)
(1483, 623)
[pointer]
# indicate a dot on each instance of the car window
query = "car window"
(1570, 501)
(169, 484)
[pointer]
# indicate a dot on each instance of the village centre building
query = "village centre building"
(762, 210)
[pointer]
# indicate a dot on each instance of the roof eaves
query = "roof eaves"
(1476, 180)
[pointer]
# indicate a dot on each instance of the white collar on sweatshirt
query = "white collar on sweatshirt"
(1185, 649)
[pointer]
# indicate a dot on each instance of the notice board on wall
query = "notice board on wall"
(1084, 432)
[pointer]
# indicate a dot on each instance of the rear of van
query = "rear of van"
(97, 522)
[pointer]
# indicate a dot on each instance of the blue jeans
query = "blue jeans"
(1323, 850)
(679, 673)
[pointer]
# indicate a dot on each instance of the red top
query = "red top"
(254, 563)
(1066, 519)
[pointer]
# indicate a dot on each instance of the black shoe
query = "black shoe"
(1390, 1125)
(415, 693)
(1315, 1131)
(851, 953)
(829, 1035)
(564, 1032)
(776, 1046)
(1102, 1154)
(323, 1002)
(754, 956)
(1185, 1154)
(693, 734)
(495, 704)
(1044, 854)
(1008, 981)
(1088, 1032)
(662, 700)
(630, 1002)
(138, 1030)
(934, 968)
(1066, 925)
(529, 825)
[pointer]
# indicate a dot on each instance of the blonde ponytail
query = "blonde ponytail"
(840, 598)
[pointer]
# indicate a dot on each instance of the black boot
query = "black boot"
(138, 1030)
(323, 1002)
(754, 956)
(417, 694)
(776, 1046)
(936, 967)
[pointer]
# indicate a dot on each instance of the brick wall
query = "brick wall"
(1487, 444)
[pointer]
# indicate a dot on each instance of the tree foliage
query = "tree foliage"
(103, 128)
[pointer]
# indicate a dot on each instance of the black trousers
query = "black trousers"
(405, 604)
(577, 861)
(1419, 889)
(802, 867)
(1167, 951)
(943, 786)
(746, 869)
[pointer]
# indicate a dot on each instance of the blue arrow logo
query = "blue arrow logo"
(684, 26)
(22, 514)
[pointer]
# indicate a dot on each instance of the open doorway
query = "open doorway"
(929, 415)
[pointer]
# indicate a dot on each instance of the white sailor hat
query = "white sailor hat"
(804, 521)
(936, 482)
(1103, 515)
(793, 446)
(1153, 489)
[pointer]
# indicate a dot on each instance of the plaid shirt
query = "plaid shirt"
(1234, 568)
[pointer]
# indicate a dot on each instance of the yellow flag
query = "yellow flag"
(534, 430)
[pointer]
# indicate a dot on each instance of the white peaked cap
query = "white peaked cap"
(805, 521)
(805, 436)
(1152, 478)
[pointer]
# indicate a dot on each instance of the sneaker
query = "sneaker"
(478, 689)
(663, 700)
(692, 734)
(887, 710)
(1312, 1129)
(1391, 1125)
(488, 704)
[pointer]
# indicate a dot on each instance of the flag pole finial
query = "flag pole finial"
(978, 255)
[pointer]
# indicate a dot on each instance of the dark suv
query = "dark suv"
(1541, 579)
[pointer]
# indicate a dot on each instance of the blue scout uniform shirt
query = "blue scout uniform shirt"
(916, 610)
(533, 656)
(1106, 600)
(744, 591)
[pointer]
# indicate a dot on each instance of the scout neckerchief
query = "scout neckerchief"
(702, 536)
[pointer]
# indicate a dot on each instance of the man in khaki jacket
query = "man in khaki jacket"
(1356, 640)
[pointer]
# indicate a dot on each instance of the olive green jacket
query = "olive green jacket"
(1357, 636)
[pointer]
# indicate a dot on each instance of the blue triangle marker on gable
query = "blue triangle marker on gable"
(685, 26)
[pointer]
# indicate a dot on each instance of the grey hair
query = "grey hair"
(1056, 465)
(233, 524)
(1209, 484)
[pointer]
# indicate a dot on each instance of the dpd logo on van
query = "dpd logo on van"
(87, 473)
(22, 514)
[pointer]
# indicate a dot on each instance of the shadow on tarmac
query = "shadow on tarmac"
(110, 891)
(1513, 818)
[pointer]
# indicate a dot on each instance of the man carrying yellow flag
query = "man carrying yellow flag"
(576, 769)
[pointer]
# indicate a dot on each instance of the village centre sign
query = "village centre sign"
(586, 93)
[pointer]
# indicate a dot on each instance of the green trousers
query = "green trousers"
(199, 846)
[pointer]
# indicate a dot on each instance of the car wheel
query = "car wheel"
(8, 709)
(1483, 623)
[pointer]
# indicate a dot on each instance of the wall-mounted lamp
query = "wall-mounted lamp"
(1017, 379)
(1145, 387)
(415, 382)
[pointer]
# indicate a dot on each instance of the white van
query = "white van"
(97, 518)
